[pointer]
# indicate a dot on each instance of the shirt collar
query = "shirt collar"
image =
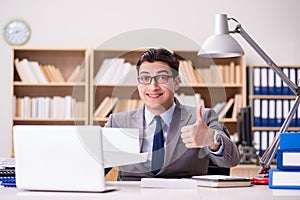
(166, 116)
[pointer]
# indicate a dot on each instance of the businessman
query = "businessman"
(180, 140)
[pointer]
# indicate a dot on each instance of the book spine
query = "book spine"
(284, 179)
(288, 159)
(290, 140)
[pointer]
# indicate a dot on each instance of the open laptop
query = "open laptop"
(59, 158)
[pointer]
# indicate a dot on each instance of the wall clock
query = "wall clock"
(17, 32)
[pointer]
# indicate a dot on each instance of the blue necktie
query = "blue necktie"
(158, 151)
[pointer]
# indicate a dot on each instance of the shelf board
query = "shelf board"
(48, 119)
(181, 86)
(225, 120)
(229, 120)
(272, 97)
(67, 84)
(274, 128)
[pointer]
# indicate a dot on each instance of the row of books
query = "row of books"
(272, 112)
(214, 74)
(7, 172)
(114, 104)
(33, 72)
(230, 108)
(262, 140)
(48, 107)
(267, 82)
(118, 70)
(287, 174)
(115, 71)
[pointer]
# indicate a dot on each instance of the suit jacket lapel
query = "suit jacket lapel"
(137, 121)
(180, 118)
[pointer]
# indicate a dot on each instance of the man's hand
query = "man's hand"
(199, 134)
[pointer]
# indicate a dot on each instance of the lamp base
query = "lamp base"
(260, 180)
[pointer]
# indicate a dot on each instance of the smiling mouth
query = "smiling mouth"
(154, 95)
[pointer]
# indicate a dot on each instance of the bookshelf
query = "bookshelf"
(39, 98)
(270, 100)
(217, 84)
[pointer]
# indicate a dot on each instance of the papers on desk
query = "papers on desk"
(121, 147)
(168, 183)
(221, 181)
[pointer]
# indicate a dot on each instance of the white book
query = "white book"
(271, 78)
(127, 75)
(228, 105)
(38, 72)
(265, 110)
(264, 140)
(272, 111)
(107, 71)
(68, 107)
(278, 114)
(33, 74)
(219, 106)
(74, 75)
(25, 64)
(286, 107)
(118, 68)
(34, 107)
(264, 78)
(256, 139)
(21, 71)
(256, 78)
(47, 107)
(41, 107)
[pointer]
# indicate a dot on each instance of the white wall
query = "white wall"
(89, 23)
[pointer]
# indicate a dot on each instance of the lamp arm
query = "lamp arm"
(293, 86)
(270, 152)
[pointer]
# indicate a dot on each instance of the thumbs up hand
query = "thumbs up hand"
(199, 134)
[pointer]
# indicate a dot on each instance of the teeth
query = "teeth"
(153, 95)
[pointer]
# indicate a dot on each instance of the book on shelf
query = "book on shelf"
(191, 100)
(219, 107)
(33, 72)
(75, 74)
(105, 107)
(227, 107)
(113, 71)
(47, 107)
(212, 74)
(237, 105)
(221, 181)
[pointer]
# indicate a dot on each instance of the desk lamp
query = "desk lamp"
(222, 45)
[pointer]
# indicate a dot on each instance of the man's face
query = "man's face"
(158, 97)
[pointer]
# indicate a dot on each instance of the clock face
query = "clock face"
(17, 32)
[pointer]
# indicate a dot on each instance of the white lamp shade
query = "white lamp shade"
(221, 44)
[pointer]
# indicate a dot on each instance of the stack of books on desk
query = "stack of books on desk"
(287, 174)
(7, 173)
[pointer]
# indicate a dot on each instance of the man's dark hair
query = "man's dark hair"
(161, 54)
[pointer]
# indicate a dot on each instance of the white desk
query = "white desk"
(132, 191)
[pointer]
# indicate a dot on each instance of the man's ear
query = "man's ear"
(177, 83)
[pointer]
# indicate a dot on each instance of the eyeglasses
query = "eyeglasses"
(159, 79)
